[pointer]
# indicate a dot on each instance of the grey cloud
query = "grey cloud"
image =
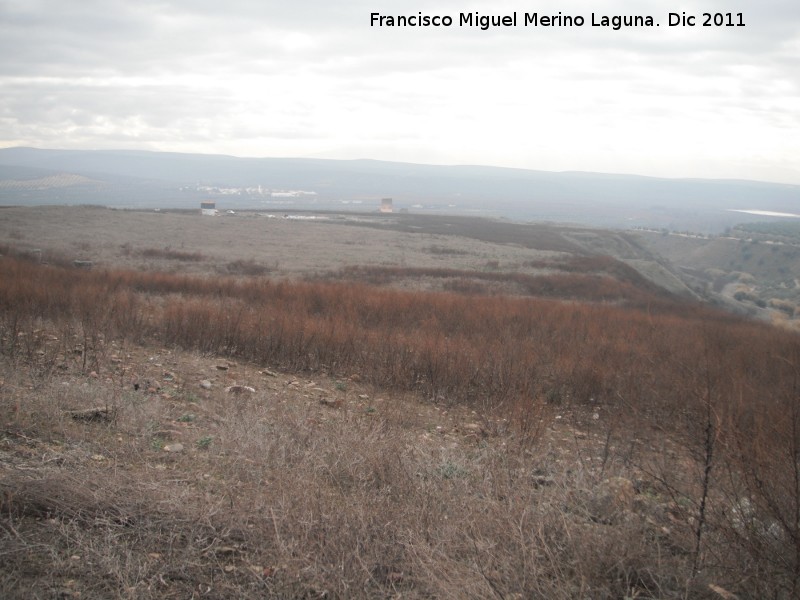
(168, 65)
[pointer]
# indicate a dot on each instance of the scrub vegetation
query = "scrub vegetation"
(572, 431)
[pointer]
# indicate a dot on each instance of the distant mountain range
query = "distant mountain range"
(139, 179)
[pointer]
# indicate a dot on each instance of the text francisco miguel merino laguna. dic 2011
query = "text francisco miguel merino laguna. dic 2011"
(535, 19)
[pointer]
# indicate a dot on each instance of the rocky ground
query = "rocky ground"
(150, 472)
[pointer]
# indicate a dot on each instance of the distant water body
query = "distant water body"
(765, 213)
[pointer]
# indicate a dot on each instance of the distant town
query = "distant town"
(247, 191)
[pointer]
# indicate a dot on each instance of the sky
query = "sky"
(313, 78)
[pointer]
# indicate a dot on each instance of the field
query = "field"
(382, 408)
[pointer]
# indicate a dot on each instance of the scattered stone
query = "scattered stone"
(269, 373)
(205, 384)
(178, 447)
(240, 389)
(363, 397)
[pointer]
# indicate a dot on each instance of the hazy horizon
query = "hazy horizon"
(145, 179)
(413, 163)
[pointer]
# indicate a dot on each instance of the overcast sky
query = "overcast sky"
(311, 78)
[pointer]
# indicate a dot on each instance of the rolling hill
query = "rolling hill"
(154, 179)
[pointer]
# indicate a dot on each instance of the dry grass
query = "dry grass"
(293, 498)
(289, 248)
(397, 443)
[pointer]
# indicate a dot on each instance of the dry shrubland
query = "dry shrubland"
(622, 444)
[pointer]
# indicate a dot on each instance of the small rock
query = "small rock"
(269, 373)
(205, 384)
(363, 397)
(240, 389)
(173, 447)
(473, 429)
